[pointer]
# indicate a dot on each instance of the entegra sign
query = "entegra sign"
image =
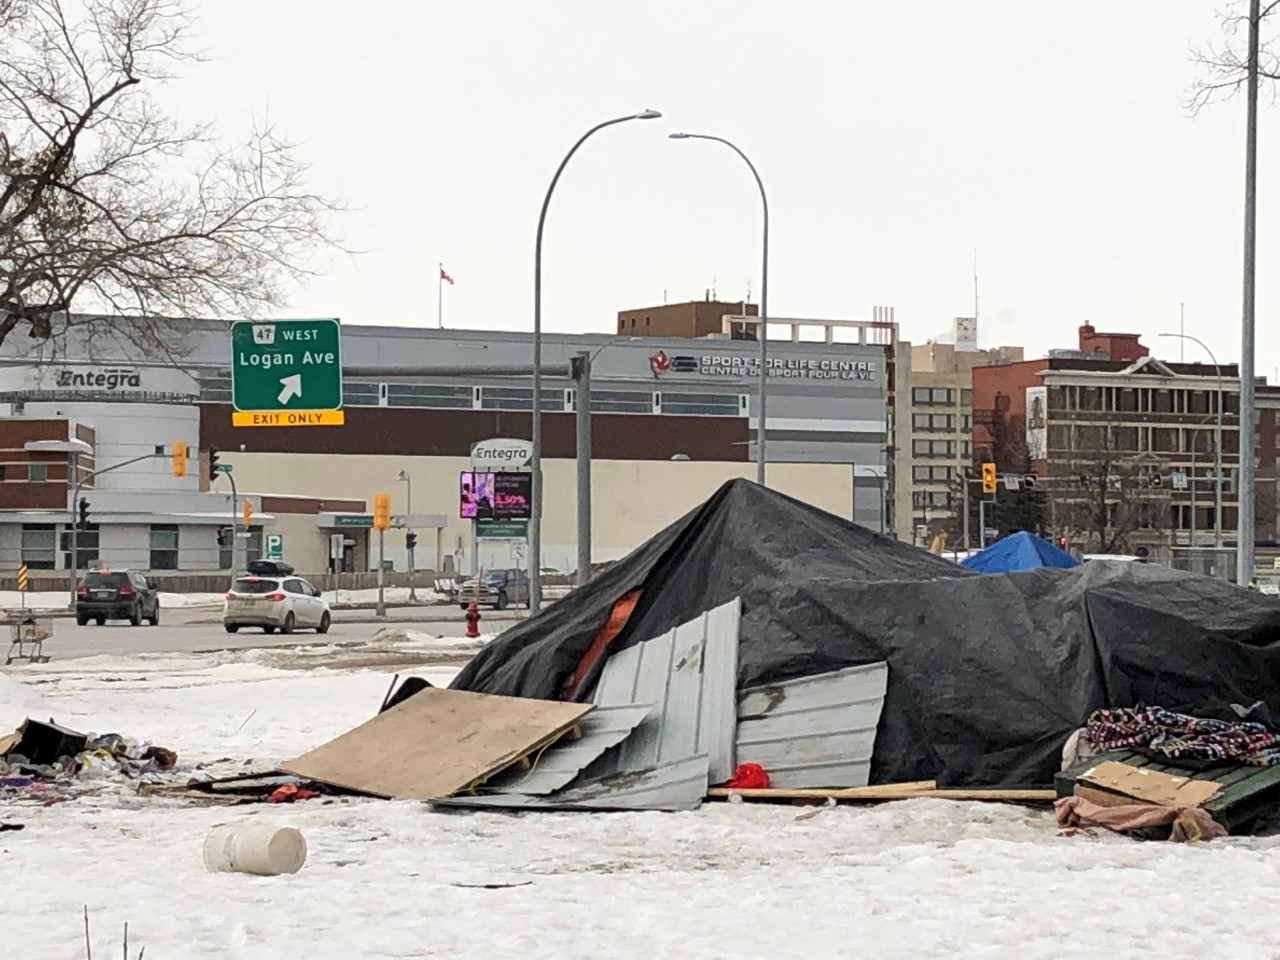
(501, 454)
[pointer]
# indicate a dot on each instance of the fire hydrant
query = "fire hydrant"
(473, 620)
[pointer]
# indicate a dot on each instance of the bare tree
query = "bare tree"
(1104, 492)
(1224, 66)
(108, 203)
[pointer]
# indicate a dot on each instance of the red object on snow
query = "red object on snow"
(291, 792)
(748, 776)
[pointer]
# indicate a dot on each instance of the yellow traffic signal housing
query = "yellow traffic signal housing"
(179, 451)
(246, 512)
(988, 478)
(382, 511)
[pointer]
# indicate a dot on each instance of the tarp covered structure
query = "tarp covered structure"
(1019, 551)
(988, 675)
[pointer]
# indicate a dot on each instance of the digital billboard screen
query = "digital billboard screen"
(495, 496)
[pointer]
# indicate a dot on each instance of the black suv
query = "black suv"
(116, 595)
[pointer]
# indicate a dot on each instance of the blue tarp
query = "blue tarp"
(1019, 551)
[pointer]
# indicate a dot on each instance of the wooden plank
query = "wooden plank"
(437, 743)
(887, 791)
(880, 795)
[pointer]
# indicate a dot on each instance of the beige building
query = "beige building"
(631, 501)
(940, 444)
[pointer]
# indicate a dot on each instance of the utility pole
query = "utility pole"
(1244, 497)
(964, 482)
(581, 369)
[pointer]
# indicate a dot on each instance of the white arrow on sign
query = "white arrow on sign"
(292, 387)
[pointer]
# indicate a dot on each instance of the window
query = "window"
(38, 546)
(933, 422)
(933, 448)
(521, 398)
(37, 472)
(921, 395)
(926, 499)
(87, 541)
(966, 398)
(164, 546)
(966, 423)
(429, 395)
(700, 404)
(621, 401)
(933, 395)
(932, 474)
(253, 546)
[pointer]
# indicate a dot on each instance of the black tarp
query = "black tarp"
(988, 675)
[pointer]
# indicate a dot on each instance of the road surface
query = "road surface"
(199, 629)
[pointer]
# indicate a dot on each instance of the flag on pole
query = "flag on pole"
(445, 277)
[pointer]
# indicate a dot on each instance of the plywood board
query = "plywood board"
(436, 743)
(1150, 786)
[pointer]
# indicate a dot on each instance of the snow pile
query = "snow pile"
(46, 600)
(17, 702)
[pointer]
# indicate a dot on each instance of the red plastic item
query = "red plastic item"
(291, 792)
(748, 776)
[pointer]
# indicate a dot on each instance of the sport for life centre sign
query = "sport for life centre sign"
(501, 454)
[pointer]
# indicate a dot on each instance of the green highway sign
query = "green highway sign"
(353, 520)
(502, 529)
(286, 373)
(273, 548)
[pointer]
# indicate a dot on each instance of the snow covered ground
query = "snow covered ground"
(396, 880)
(44, 600)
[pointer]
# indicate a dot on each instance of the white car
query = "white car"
(281, 603)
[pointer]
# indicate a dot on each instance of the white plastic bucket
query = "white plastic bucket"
(263, 849)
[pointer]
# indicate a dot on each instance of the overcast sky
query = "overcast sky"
(893, 139)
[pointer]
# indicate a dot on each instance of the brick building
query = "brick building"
(1123, 445)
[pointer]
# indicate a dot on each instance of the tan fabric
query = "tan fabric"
(1189, 823)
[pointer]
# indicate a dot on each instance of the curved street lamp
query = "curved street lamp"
(761, 432)
(1217, 440)
(535, 513)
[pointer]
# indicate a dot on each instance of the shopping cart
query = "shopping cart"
(27, 635)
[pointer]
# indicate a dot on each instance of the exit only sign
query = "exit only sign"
(286, 373)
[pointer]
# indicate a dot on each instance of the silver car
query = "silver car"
(275, 603)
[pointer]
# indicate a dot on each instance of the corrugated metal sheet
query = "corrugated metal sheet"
(601, 729)
(680, 785)
(815, 731)
(691, 674)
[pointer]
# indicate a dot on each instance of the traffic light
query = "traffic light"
(179, 451)
(246, 512)
(382, 511)
(213, 464)
(223, 537)
(988, 478)
(410, 540)
(84, 512)
(1062, 543)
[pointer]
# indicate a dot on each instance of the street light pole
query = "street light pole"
(408, 528)
(1217, 440)
(582, 410)
(762, 402)
(1244, 496)
(535, 513)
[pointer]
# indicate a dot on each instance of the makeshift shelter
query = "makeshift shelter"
(988, 675)
(1019, 551)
